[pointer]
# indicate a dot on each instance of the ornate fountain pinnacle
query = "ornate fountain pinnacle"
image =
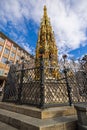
(46, 44)
(45, 11)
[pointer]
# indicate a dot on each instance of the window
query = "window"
(2, 40)
(0, 48)
(14, 47)
(4, 60)
(12, 54)
(6, 51)
(1, 72)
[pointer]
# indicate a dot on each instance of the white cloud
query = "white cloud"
(68, 18)
(68, 26)
(22, 42)
(28, 48)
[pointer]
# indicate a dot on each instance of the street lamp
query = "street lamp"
(42, 97)
(64, 58)
(66, 79)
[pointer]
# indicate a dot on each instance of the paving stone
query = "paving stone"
(24, 122)
(38, 113)
(4, 126)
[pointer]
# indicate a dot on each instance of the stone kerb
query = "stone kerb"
(82, 116)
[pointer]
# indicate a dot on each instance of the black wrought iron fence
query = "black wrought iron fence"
(45, 86)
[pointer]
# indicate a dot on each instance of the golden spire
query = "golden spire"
(46, 42)
(45, 11)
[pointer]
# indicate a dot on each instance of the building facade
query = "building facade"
(9, 51)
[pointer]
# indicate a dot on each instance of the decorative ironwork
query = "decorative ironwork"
(22, 86)
(81, 76)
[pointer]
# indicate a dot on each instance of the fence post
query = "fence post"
(66, 79)
(20, 85)
(68, 87)
(42, 96)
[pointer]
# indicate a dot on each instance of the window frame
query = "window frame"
(14, 48)
(2, 39)
(4, 59)
(11, 54)
(6, 51)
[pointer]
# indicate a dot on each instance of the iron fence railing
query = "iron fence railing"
(41, 86)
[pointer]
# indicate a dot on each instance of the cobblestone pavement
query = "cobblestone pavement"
(4, 126)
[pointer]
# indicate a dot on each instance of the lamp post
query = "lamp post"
(66, 79)
(42, 98)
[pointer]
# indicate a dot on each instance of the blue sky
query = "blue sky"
(20, 21)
